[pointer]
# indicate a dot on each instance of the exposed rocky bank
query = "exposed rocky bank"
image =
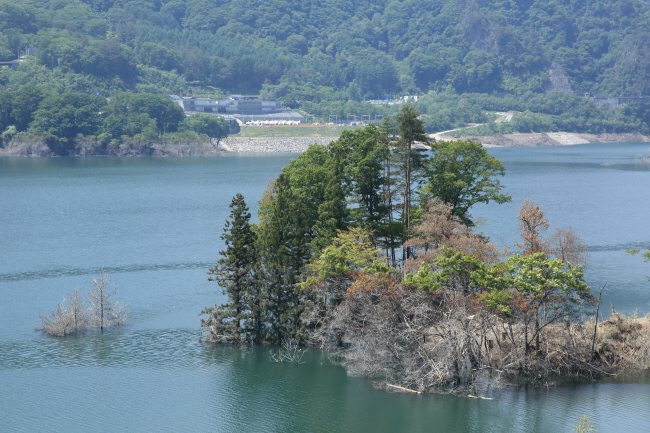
(134, 148)
(551, 139)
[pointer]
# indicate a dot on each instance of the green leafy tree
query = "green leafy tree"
(159, 56)
(166, 114)
(334, 270)
(462, 174)
(6, 102)
(210, 125)
(25, 102)
(69, 114)
(453, 272)
(535, 291)
(366, 152)
(309, 175)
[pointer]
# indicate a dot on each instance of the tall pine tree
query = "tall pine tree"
(284, 250)
(411, 131)
(234, 274)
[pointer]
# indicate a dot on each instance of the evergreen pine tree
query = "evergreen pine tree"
(284, 247)
(365, 170)
(233, 272)
(390, 233)
(411, 130)
(332, 212)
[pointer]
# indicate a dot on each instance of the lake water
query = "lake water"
(154, 226)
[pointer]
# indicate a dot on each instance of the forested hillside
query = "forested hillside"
(329, 56)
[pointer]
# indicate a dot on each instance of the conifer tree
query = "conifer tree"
(411, 131)
(365, 172)
(284, 249)
(332, 212)
(391, 232)
(233, 272)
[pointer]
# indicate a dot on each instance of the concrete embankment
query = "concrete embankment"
(238, 144)
(271, 145)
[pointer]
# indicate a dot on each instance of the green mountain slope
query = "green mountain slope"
(322, 55)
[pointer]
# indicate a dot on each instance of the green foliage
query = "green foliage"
(646, 255)
(537, 276)
(161, 109)
(329, 57)
(410, 161)
(462, 174)
(68, 115)
(534, 290)
(584, 426)
(284, 247)
(234, 274)
(159, 56)
(210, 125)
(454, 271)
(333, 214)
(321, 222)
(24, 103)
(351, 251)
(366, 153)
(424, 279)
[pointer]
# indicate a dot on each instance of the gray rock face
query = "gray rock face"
(559, 81)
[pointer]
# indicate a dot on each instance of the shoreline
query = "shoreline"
(234, 145)
(551, 139)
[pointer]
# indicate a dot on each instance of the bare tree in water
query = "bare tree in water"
(71, 315)
(102, 309)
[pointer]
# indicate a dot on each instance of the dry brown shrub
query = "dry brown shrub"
(624, 342)
(440, 228)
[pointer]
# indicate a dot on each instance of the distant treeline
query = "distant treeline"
(328, 57)
(32, 111)
(547, 112)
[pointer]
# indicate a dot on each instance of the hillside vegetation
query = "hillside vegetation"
(327, 57)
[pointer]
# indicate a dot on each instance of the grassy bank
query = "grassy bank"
(292, 131)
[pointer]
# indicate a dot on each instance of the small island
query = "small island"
(367, 248)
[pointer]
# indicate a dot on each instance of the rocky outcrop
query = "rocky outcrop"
(559, 82)
(26, 148)
(128, 148)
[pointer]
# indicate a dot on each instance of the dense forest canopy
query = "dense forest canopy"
(329, 56)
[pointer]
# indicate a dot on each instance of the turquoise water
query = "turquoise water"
(154, 225)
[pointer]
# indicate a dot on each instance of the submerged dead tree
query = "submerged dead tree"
(72, 316)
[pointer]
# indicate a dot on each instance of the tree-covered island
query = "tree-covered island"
(367, 248)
